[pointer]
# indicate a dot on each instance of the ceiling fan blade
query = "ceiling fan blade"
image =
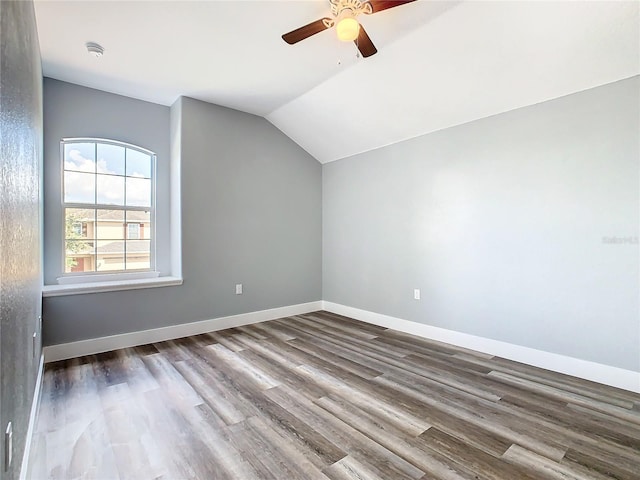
(305, 32)
(379, 5)
(364, 43)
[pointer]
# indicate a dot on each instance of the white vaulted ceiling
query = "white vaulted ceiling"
(438, 64)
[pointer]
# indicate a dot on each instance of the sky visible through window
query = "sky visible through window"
(106, 180)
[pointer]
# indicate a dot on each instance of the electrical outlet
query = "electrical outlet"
(239, 289)
(416, 294)
(8, 447)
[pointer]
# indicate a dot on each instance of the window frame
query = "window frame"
(108, 275)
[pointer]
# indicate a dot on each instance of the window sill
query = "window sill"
(75, 279)
(110, 286)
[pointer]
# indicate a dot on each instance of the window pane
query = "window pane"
(110, 159)
(138, 164)
(79, 187)
(80, 157)
(138, 254)
(79, 256)
(79, 223)
(143, 219)
(110, 190)
(110, 174)
(133, 231)
(110, 255)
(138, 192)
(110, 225)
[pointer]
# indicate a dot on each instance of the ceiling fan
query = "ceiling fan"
(347, 26)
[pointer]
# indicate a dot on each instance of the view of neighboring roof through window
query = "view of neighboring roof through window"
(108, 198)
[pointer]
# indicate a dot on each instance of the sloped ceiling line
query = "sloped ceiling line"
(439, 64)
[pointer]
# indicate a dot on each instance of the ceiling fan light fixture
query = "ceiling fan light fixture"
(347, 27)
(343, 16)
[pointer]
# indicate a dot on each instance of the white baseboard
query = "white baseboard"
(597, 372)
(35, 406)
(104, 344)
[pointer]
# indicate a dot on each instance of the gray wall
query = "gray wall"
(20, 272)
(74, 111)
(251, 214)
(501, 223)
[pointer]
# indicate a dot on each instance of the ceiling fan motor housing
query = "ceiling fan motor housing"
(356, 7)
(344, 13)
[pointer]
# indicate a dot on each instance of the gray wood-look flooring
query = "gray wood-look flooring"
(322, 396)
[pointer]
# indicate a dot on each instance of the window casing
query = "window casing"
(108, 199)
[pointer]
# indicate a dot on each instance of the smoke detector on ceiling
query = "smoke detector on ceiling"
(95, 49)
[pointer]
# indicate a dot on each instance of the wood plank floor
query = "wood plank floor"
(322, 396)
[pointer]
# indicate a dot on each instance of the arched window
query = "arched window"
(108, 198)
